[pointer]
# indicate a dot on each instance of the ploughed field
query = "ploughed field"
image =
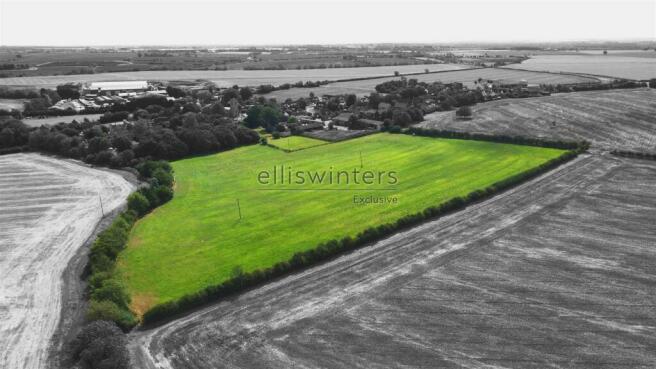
(198, 239)
(557, 272)
(48, 209)
(467, 77)
(229, 78)
(612, 119)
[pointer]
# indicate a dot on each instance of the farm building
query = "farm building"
(68, 105)
(116, 88)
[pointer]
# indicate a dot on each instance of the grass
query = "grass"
(198, 238)
(295, 143)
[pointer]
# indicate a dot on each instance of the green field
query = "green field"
(295, 143)
(198, 238)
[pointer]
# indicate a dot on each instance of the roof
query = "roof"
(120, 85)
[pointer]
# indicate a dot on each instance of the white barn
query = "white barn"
(116, 88)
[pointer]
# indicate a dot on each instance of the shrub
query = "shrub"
(107, 310)
(164, 194)
(163, 177)
(112, 290)
(138, 203)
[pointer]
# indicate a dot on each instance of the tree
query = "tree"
(107, 353)
(464, 112)
(121, 142)
(245, 93)
(204, 97)
(95, 330)
(175, 92)
(230, 94)
(351, 99)
(69, 91)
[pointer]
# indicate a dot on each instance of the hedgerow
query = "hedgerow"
(109, 299)
(517, 140)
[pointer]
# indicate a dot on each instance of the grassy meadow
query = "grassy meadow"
(295, 143)
(198, 238)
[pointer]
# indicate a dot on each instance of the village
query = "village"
(394, 105)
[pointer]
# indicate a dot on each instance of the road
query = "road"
(48, 209)
(557, 272)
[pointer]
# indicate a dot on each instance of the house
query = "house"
(116, 88)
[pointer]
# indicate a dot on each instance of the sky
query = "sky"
(270, 22)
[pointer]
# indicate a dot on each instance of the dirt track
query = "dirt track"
(622, 119)
(557, 272)
(48, 209)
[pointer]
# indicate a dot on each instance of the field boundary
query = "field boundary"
(591, 75)
(328, 250)
(579, 146)
(299, 149)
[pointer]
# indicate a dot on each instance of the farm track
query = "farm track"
(614, 119)
(556, 272)
(48, 209)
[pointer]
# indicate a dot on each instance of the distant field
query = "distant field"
(12, 104)
(467, 77)
(38, 122)
(614, 119)
(606, 65)
(198, 239)
(68, 61)
(294, 143)
(230, 77)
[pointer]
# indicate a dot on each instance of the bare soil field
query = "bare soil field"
(557, 272)
(48, 209)
(230, 77)
(612, 119)
(467, 77)
(631, 67)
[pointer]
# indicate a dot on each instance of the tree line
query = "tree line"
(168, 132)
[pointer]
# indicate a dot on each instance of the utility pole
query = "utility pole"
(102, 209)
(239, 209)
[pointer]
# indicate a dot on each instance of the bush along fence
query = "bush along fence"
(109, 300)
(242, 280)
